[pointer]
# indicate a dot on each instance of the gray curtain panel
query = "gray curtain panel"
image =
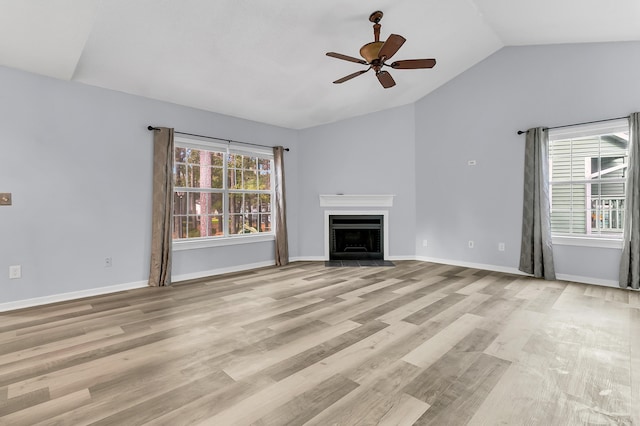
(282, 246)
(162, 206)
(630, 261)
(536, 251)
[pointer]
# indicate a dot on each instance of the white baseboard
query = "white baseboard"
(307, 259)
(587, 280)
(220, 271)
(392, 258)
(508, 270)
(63, 297)
(427, 259)
(27, 303)
(483, 266)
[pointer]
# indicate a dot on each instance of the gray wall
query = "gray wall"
(476, 116)
(371, 154)
(78, 162)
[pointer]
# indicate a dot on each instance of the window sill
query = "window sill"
(587, 242)
(219, 242)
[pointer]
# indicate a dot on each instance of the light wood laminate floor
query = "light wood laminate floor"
(419, 343)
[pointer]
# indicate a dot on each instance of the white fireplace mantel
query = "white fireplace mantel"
(356, 200)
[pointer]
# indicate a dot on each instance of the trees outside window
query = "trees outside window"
(220, 193)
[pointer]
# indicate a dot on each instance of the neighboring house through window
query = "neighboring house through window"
(221, 192)
(587, 172)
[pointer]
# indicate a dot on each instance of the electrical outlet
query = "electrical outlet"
(108, 262)
(500, 246)
(424, 243)
(15, 272)
(471, 244)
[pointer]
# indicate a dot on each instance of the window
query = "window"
(587, 173)
(220, 193)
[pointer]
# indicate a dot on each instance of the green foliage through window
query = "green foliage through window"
(212, 187)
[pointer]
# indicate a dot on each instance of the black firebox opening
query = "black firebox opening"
(356, 237)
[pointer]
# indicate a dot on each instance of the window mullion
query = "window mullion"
(571, 212)
(225, 196)
(272, 211)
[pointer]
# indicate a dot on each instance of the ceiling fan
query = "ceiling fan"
(378, 52)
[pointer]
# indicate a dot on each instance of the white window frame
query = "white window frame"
(578, 131)
(194, 142)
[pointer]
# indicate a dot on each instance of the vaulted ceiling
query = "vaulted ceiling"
(265, 60)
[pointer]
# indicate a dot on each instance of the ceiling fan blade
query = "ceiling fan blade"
(346, 58)
(391, 46)
(411, 64)
(385, 79)
(350, 76)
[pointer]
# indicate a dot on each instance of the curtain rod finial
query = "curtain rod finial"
(151, 128)
(521, 132)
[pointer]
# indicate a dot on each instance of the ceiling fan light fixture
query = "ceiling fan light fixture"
(370, 50)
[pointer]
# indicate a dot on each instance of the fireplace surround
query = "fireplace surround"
(356, 237)
(357, 205)
(365, 212)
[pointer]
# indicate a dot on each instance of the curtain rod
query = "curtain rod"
(218, 139)
(578, 124)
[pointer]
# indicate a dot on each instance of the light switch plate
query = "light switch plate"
(5, 198)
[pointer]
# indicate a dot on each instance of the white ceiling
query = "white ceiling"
(265, 60)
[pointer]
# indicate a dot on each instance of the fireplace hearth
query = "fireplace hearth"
(356, 237)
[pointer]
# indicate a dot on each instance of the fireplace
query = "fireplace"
(356, 237)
